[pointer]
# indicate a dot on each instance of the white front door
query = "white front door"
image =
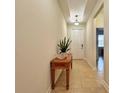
(77, 41)
(77, 50)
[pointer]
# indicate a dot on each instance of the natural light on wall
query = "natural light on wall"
(99, 20)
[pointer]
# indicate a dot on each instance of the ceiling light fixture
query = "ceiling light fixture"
(76, 21)
(76, 24)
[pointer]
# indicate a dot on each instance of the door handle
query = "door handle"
(82, 46)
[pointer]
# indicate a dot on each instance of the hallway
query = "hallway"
(82, 80)
(40, 27)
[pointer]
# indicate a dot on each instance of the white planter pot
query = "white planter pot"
(62, 55)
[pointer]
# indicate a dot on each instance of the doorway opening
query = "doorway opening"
(100, 49)
(99, 31)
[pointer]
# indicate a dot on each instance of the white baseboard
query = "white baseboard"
(49, 88)
(94, 68)
(106, 86)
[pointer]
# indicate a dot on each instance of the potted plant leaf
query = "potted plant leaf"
(64, 46)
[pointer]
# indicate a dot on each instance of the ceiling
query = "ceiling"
(76, 7)
(82, 8)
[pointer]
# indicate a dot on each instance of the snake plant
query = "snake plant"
(64, 45)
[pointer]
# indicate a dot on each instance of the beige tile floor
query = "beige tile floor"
(82, 80)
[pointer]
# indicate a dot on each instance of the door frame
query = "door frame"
(97, 10)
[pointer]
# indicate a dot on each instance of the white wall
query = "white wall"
(91, 39)
(39, 25)
(106, 47)
(90, 55)
(91, 36)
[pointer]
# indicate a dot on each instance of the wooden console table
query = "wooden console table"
(57, 63)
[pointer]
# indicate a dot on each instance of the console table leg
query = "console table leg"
(53, 77)
(71, 64)
(67, 78)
